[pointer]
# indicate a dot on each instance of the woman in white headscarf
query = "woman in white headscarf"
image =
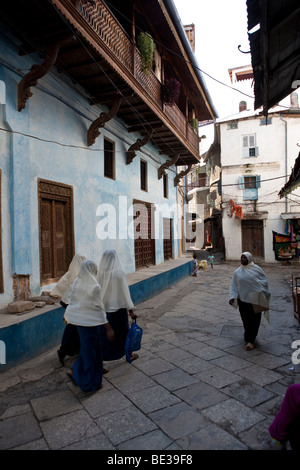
(249, 291)
(70, 343)
(86, 311)
(118, 304)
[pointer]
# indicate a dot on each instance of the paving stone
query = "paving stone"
(125, 424)
(156, 345)
(258, 437)
(230, 362)
(18, 430)
(179, 420)
(55, 404)
(217, 377)
(97, 442)
(269, 361)
(175, 355)
(15, 410)
(39, 444)
(247, 392)
(64, 430)
(154, 398)
(99, 404)
(259, 375)
(200, 395)
(154, 440)
(211, 437)
(133, 380)
(193, 365)
(233, 416)
(174, 379)
(209, 352)
(153, 366)
(222, 343)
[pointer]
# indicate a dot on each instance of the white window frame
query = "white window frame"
(249, 147)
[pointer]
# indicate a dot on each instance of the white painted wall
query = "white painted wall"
(272, 166)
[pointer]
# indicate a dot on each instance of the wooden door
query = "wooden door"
(167, 235)
(253, 237)
(56, 230)
(144, 243)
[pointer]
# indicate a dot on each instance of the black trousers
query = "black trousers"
(70, 342)
(251, 321)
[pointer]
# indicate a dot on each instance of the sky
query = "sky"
(220, 27)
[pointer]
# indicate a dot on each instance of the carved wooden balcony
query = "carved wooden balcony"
(127, 56)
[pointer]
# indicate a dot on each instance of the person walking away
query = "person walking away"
(118, 304)
(286, 425)
(211, 260)
(195, 266)
(86, 311)
(249, 291)
(70, 343)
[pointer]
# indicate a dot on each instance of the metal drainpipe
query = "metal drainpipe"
(286, 163)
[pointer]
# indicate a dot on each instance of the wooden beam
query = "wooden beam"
(182, 174)
(137, 146)
(93, 131)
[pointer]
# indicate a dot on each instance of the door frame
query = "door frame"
(54, 191)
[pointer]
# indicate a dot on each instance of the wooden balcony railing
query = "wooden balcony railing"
(109, 30)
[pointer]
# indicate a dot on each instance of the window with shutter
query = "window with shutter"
(249, 148)
(109, 159)
(56, 229)
(165, 186)
(250, 186)
(143, 169)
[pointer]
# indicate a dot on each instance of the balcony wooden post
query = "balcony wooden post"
(137, 146)
(162, 169)
(93, 131)
(182, 174)
(36, 72)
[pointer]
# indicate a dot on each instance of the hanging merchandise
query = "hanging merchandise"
(235, 209)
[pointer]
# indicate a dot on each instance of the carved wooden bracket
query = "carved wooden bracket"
(93, 131)
(164, 166)
(182, 174)
(36, 72)
(137, 146)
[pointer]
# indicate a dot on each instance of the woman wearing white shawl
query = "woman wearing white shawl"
(117, 300)
(87, 312)
(70, 343)
(249, 291)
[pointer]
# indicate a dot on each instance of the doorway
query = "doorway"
(253, 237)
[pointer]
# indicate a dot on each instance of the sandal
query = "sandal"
(249, 347)
(133, 357)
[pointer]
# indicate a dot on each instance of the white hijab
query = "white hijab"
(63, 287)
(112, 279)
(249, 284)
(86, 307)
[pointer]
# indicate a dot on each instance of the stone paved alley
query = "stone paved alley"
(193, 387)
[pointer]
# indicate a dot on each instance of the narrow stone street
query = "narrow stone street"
(194, 387)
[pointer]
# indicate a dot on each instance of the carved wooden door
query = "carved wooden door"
(56, 230)
(144, 243)
(253, 237)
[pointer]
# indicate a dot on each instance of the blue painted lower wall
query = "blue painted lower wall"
(29, 338)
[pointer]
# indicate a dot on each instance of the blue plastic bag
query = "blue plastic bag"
(133, 340)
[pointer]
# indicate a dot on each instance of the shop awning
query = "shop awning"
(290, 215)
